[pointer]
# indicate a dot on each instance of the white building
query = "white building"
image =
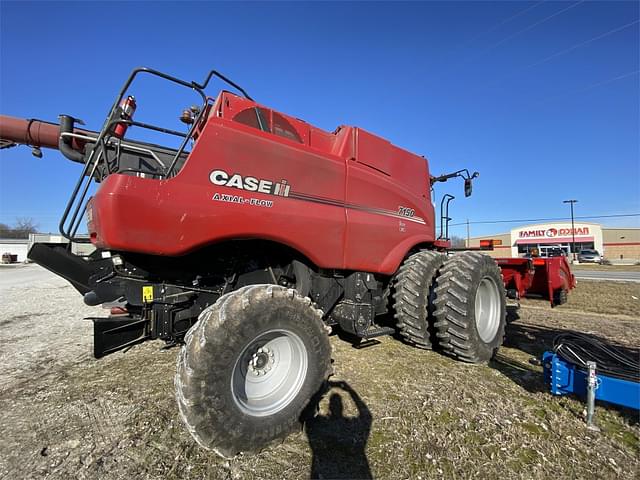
(15, 246)
(618, 244)
(546, 236)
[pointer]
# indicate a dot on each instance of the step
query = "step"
(377, 331)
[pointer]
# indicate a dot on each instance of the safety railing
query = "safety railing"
(444, 216)
(96, 156)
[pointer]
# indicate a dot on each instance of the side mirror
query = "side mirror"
(468, 187)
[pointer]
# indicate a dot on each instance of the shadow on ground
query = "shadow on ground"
(338, 442)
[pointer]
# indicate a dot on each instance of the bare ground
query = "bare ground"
(66, 415)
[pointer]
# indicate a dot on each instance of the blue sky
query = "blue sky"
(541, 97)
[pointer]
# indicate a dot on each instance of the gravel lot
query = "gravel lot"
(67, 415)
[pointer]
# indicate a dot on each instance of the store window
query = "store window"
(526, 249)
(583, 246)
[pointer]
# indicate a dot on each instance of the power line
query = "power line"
(551, 219)
(588, 87)
(605, 82)
(563, 52)
(502, 22)
(516, 15)
(581, 44)
(509, 37)
(533, 25)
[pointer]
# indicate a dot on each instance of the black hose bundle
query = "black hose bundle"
(611, 361)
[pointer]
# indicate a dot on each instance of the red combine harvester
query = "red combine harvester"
(249, 243)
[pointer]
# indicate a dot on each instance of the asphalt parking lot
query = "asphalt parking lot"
(606, 275)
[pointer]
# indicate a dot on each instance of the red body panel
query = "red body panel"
(354, 201)
(538, 276)
(517, 273)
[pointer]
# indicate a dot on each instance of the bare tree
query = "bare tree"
(22, 228)
(4, 229)
(458, 242)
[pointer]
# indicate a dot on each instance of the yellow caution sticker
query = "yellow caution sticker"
(147, 293)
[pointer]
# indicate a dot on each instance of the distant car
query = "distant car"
(555, 252)
(589, 256)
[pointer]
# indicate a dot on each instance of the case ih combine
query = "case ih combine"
(249, 243)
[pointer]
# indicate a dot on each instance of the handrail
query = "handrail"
(76, 203)
(213, 73)
(119, 144)
(444, 216)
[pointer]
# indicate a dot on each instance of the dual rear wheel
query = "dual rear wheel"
(457, 304)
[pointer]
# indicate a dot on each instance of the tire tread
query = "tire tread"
(455, 311)
(411, 290)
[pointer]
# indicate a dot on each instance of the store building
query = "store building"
(618, 245)
(16, 247)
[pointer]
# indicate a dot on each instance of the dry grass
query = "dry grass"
(431, 417)
(609, 298)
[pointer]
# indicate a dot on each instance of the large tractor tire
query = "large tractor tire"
(470, 306)
(412, 294)
(249, 368)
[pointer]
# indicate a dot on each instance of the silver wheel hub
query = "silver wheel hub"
(269, 373)
(487, 309)
(261, 362)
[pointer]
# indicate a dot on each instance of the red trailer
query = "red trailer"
(550, 278)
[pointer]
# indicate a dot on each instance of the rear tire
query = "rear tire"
(413, 289)
(470, 305)
(249, 368)
(559, 297)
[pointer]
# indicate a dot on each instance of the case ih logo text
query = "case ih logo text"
(554, 232)
(250, 184)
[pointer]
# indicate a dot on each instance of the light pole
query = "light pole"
(573, 229)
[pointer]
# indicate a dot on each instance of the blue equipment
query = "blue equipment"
(564, 377)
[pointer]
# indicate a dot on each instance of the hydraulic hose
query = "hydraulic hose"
(611, 361)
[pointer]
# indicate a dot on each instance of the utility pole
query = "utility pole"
(573, 229)
(468, 238)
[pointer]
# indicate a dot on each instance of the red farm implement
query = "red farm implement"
(550, 278)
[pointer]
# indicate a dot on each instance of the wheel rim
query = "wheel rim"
(487, 306)
(269, 373)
